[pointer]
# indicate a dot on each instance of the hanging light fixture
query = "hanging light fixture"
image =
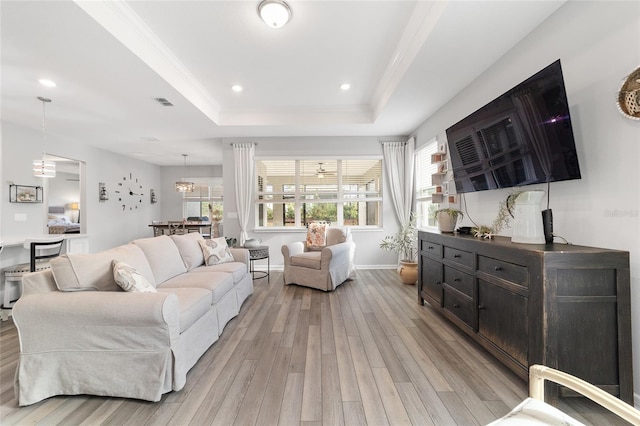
(42, 167)
(183, 186)
(274, 13)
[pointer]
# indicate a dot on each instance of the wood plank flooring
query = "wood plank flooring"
(365, 354)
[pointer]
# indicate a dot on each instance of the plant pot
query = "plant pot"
(408, 272)
(447, 222)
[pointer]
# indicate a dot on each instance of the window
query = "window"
(293, 193)
(206, 200)
(424, 184)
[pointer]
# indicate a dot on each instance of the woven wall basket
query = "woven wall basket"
(629, 96)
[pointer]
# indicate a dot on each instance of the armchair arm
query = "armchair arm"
(291, 249)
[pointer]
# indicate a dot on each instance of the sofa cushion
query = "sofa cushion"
(218, 283)
(337, 235)
(237, 269)
(308, 259)
(129, 279)
(189, 249)
(93, 271)
(163, 256)
(215, 251)
(316, 236)
(192, 302)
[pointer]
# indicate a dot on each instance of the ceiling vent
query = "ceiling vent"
(163, 101)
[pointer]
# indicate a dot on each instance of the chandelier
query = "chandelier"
(42, 167)
(183, 186)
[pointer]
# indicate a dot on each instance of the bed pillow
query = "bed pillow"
(129, 279)
(216, 251)
(316, 236)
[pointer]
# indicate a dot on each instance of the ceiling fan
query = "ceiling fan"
(322, 172)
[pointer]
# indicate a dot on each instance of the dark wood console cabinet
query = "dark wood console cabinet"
(564, 306)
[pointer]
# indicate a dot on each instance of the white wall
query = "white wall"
(106, 223)
(368, 255)
(598, 44)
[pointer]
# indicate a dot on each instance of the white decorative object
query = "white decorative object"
(527, 225)
(252, 243)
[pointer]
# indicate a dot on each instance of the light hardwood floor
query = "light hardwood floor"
(366, 353)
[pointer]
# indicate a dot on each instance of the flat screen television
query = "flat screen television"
(523, 137)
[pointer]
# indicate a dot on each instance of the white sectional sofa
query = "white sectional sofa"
(80, 333)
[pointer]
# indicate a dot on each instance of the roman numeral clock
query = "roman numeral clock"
(129, 192)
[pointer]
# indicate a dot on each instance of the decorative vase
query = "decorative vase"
(408, 272)
(527, 224)
(447, 222)
(252, 242)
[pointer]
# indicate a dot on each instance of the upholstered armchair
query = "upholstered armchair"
(323, 267)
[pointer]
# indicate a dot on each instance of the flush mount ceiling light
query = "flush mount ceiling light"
(236, 88)
(345, 86)
(183, 186)
(42, 167)
(274, 13)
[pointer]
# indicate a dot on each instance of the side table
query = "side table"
(258, 253)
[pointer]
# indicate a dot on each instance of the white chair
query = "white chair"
(176, 227)
(41, 251)
(321, 268)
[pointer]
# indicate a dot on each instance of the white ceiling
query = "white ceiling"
(403, 59)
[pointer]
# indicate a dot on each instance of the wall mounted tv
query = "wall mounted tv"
(521, 138)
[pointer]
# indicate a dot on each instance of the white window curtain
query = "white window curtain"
(399, 162)
(243, 157)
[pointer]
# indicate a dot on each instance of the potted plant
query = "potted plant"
(405, 243)
(447, 219)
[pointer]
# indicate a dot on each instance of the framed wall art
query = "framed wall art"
(25, 194)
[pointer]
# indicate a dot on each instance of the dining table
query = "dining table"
(160, 228)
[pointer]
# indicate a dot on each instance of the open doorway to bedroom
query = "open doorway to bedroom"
(63, 197)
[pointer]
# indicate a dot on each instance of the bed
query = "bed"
(58, 223)
(535, 411)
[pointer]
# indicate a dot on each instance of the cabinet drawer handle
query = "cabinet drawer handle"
(455, 305)
(480, 307)
(430, 247)
(456, 255)
(456, 279)
(497, 268)
(438, 282)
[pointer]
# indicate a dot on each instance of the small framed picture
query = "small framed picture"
(442, 147)
(452, 199)
(445, 188)
(25, 194)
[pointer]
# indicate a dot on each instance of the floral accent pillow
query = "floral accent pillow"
(129, 279)
(316, 236)
(216, 251)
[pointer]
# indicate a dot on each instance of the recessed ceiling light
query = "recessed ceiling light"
(47, 83)
(345, 86)
(236, 88)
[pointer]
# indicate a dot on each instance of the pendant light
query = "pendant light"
(42, 167)
(183, 186)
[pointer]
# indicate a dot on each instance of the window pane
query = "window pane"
(276, 175)
(319, 189)
(314, 212)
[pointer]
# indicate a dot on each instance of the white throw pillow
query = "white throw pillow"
(131, 280)
(216, 251)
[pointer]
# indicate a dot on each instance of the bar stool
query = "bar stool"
(40, 252)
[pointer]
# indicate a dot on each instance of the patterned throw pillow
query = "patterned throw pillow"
(129, 279)
(216, 251)
(316, 236)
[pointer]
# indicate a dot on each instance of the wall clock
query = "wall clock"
(129, 192)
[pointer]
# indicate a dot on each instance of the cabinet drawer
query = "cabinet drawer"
(459, 280)
(459, 305)
(432, 249)
(462, 257)
(507, 271)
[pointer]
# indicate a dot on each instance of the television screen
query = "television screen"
(521, 138)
